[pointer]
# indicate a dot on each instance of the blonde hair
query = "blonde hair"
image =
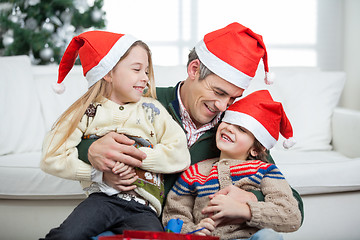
(95, 94)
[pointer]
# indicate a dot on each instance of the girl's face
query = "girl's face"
(234, 142)
(129, 77)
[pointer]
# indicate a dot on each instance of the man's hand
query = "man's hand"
(224, 209)
(237, 194)
(233, 197)
(111, 148)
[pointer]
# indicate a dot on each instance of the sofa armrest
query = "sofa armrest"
(346, 132)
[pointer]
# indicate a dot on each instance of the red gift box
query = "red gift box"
(147, 235)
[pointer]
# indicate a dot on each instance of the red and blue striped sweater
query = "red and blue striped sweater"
(190, 194)
(196, 183)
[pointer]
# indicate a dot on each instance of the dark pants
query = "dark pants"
(99, 213)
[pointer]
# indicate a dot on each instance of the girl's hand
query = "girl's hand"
(208, 224)
(123, 170)
(121, 183)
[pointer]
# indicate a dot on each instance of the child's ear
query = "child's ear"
(253, 152)
(108, 77)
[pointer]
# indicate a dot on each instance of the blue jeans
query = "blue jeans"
(266, 234)
(99, 213)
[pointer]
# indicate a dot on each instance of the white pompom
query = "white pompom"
(288, 143)
(269, 77)
(58, 88)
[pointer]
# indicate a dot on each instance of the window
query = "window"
(172, 28)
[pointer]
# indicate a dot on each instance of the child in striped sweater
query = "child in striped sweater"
(249, 127)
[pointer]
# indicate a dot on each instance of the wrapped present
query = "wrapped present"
(147, 235)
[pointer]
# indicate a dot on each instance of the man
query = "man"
(220, 68)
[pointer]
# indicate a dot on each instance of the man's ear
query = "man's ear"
(193, 68)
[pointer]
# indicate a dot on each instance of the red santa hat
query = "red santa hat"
(99, 52)
(263, 117)
(233, 53)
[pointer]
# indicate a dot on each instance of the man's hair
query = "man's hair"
(204, 71)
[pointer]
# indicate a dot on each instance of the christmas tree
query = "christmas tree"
(42, 29)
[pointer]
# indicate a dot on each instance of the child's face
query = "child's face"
(234, 142)
(129, 77)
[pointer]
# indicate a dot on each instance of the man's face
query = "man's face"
(209, 97)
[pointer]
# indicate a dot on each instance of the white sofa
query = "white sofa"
(323, 166)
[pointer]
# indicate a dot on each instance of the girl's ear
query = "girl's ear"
(108, 77)
(193, 68)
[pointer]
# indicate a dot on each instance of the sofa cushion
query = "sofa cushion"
(53, 104)
(315, 172)
(22, 126)
(25, 180)
(310, 116)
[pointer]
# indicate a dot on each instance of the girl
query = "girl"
(249, 127)
(118, 69)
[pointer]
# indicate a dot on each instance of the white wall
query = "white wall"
(351, 95)
(330, 35)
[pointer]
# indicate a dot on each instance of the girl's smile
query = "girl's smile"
(129, 77)
(139, 89)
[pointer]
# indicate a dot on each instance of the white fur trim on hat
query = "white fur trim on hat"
(221, 68)
(269, 78)
(251, 124)
(110, 60)
(58, 88)
(288, 143)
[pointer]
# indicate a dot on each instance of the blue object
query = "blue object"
(107, 233)
(196, 230)
(174, 225)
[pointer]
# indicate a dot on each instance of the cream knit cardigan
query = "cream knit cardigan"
(147, 119)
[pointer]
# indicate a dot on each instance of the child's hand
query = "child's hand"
(208, 224)
(121, 178)
(123, 170)
(123, 183)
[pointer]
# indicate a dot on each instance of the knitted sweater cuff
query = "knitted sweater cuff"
(256, 215)
(83, 172)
